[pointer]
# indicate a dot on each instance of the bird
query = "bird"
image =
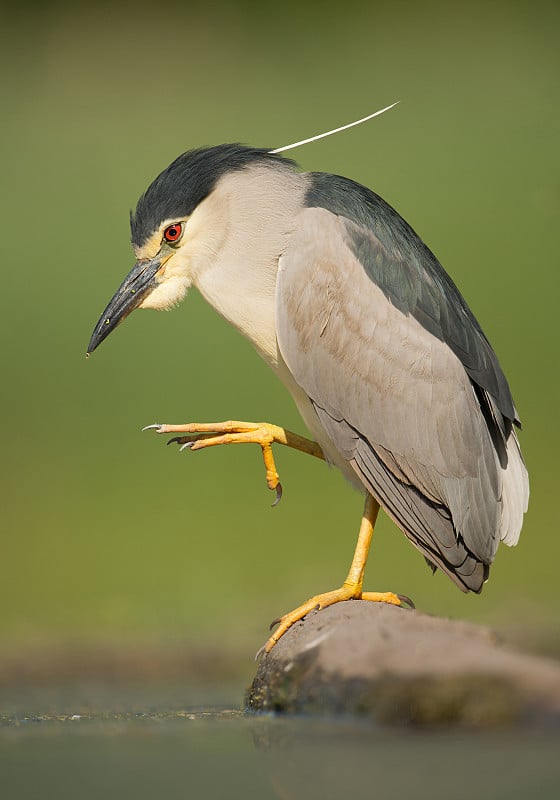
(387, 365)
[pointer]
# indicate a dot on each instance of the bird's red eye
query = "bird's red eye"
(173, 232)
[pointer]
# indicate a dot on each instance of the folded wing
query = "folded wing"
(417, 422)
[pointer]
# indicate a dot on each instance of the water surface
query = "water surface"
(144, 742)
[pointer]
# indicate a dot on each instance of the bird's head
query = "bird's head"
(178, 227)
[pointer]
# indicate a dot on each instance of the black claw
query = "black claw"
(184, 441)
(278, 494)
(260, 652)
(406, 600)
(274, 622)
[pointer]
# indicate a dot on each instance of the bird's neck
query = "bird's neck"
(258, 214)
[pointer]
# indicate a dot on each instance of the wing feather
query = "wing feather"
(395, 399)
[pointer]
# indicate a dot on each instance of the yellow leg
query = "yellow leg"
(351, 589)
(209, 434)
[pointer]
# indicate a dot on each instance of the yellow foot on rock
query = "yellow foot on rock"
(328, 599)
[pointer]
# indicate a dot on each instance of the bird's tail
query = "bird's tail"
(515, 493)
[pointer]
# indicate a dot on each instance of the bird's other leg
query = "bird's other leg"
(198, 435)
(351, 589)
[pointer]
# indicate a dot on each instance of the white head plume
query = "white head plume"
(336, 130)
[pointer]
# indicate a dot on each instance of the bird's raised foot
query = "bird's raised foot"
(198, 435)
(321, 601)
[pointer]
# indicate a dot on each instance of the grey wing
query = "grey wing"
(395, 401)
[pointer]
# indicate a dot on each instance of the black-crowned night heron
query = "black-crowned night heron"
(388, 367)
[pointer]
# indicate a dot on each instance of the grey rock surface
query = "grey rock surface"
(402, 666)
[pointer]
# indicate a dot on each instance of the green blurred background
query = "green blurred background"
(109, 536)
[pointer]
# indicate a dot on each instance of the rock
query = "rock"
(400, 666)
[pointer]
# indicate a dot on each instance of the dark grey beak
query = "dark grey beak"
(137, 284)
